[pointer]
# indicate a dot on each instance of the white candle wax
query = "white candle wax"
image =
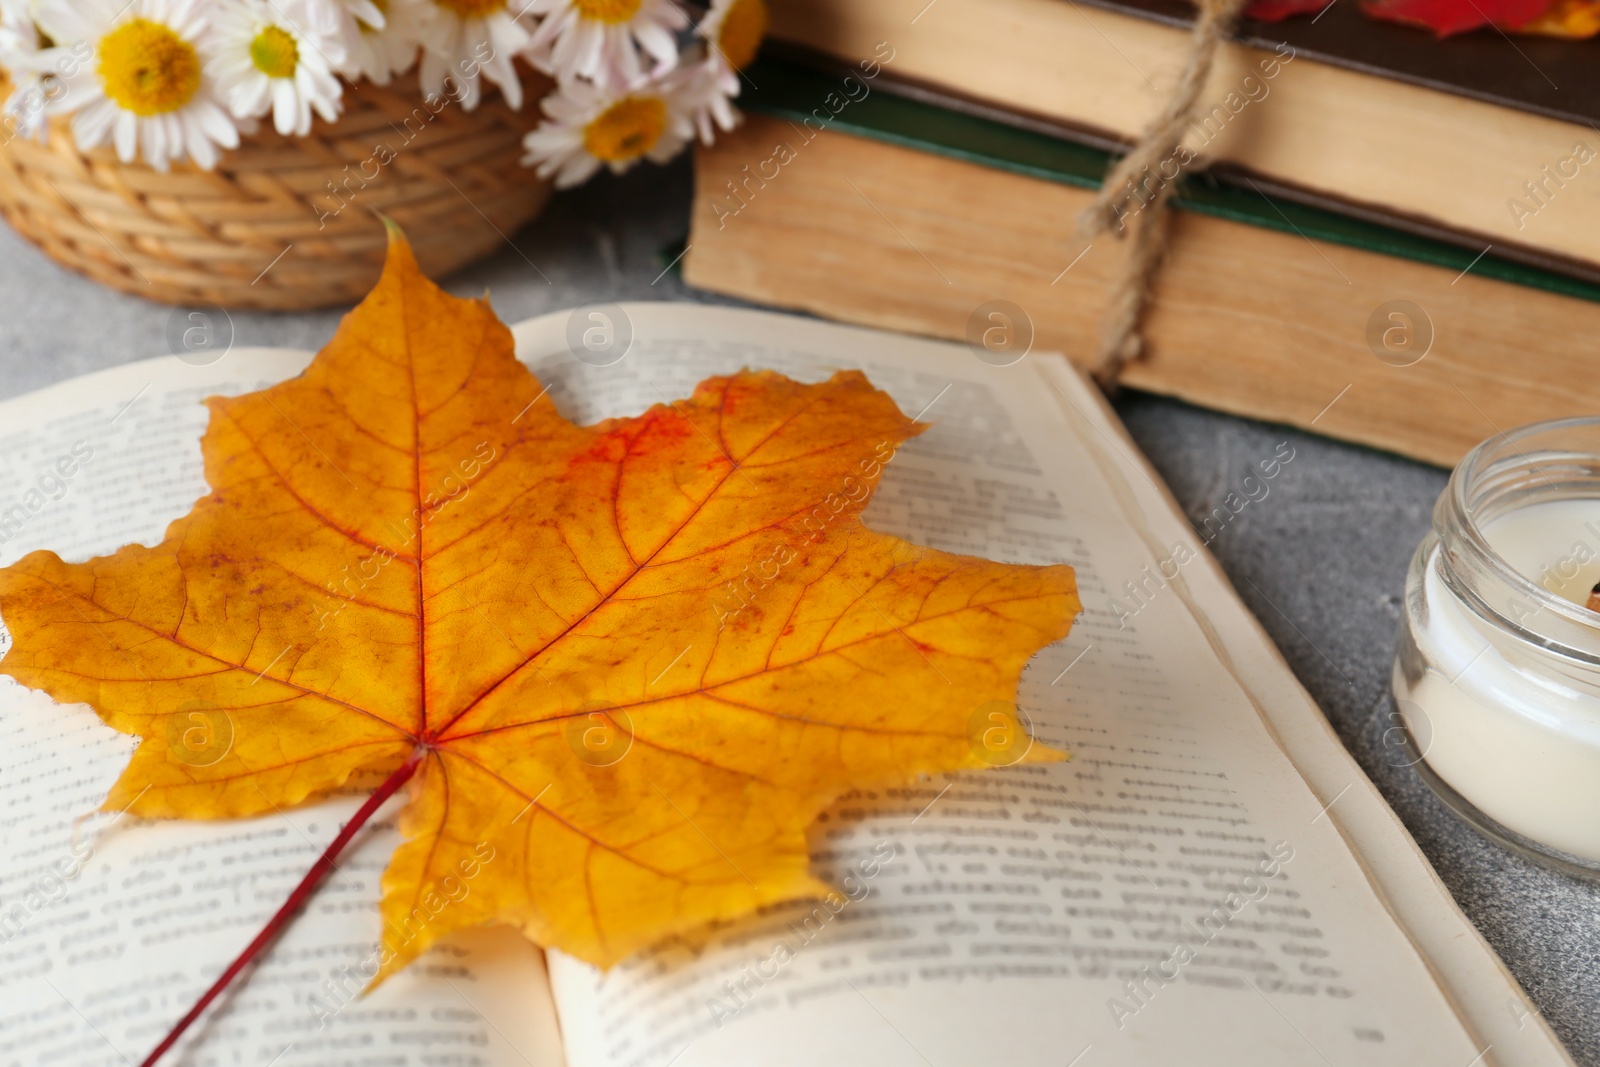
(1519, 740)
(1555, 545)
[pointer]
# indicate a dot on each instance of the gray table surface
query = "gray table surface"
(1320, 561)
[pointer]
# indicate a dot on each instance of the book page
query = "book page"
(108, 935)
(1177, 892)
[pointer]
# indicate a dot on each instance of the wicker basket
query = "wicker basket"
(284, 223)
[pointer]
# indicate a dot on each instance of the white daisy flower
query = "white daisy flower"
(588, 126)
(35, 71)
(381, 51)
(733, 31)
(338, 26)
(707, 89)
(601, 39)
(19, 37)
(144, 86)
(265, 61)
(468, 38)
(20, 56)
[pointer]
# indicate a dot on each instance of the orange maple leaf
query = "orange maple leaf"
(623, 666)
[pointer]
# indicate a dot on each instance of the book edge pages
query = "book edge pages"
(1208, 345)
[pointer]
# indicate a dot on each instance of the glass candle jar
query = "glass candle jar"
(1497, 665)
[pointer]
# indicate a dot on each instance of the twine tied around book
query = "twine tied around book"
(1137, 177)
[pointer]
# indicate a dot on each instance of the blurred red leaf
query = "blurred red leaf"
(1448, 17)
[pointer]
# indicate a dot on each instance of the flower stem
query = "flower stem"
(302, 893)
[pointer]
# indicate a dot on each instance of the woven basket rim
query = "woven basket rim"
(189, 235)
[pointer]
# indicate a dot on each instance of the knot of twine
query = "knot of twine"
(1137, 177)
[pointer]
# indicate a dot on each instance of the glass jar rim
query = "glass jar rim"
(1482, 576)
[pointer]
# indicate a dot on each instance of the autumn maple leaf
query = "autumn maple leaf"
(619, 668)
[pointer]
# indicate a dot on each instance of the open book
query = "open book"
(1210, 880)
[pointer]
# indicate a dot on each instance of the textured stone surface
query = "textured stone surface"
(1320, 560)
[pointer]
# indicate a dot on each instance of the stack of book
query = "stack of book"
(1388, 238)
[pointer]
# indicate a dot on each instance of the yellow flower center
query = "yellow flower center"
(627, 129)
(743, 27)
(607, 10)
(472, 8)
(147, 68)
(274, 52)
